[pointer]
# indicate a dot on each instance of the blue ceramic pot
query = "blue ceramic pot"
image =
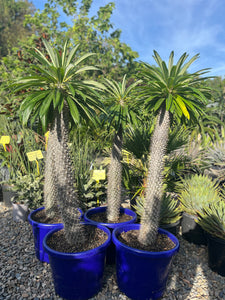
(141, 274)
(78, 276)
(39, 232)
(111, 251)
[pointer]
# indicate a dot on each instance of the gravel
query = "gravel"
(22, 276)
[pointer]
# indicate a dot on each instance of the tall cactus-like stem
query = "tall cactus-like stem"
(68, 198)
(114, 179)
(60, 187)
(50, 183)
(153, 194)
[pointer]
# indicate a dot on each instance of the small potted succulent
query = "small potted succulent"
(195, 193)
(212, 220)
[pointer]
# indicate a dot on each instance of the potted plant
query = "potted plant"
(55, 95)
(171, 92)
(118, 97)
(28, 194)
(196, 193)
(212, 220)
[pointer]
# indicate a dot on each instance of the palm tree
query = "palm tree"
(120, 114)
(54, 95)
(170, 92)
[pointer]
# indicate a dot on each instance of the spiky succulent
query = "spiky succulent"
(197, 192)
(212, 219)
(168, 90)
(118, 96)
(214, 162)
(55, 95)
(170, 211)
(154, 188)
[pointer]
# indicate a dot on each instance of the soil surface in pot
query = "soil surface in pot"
(93, 238)
(130, 238)
(101, 217)
(41, 217)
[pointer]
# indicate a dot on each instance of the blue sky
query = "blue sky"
(192, 26)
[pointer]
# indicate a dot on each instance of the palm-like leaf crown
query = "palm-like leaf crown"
(54, 81)
(118, 96)
(172, 88)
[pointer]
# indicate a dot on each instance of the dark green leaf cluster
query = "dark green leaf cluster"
(54, 82)
(173, 89)
(118, 97)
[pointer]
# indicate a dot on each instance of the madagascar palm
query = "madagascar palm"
(170, 92)
(120, 114)
(54, 95)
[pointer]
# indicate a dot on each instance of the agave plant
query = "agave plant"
(212, 219)
(170, 210)
(55, 95)
(170, 92)
(214, 162)
(119, 97)
(197, 192)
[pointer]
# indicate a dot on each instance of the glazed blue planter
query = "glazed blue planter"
(78, 276)
(39, 232)
(142, 274)
(111, 251)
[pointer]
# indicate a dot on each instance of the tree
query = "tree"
(55, 94)
(12, 29)
(120, 113)
(170, 92)
(95, 34)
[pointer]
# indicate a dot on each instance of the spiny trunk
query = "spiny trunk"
(114, 179)
(63, 181)
(50, 184)
(153, 194)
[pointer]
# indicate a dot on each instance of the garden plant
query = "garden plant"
(171, 93)
(56, 95)
(119, 98)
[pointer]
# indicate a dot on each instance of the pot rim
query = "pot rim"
(32, 222)
(95, 210)
(77, 255)
(171, 252)
(215, 238)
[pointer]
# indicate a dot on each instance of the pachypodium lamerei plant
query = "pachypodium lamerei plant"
(120, 113)
(56, 95)
(169, 91)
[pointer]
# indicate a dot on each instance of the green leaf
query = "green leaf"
(182, 106)
(170, 64)
(46, 104)
(73, 110)
(51, 53)
(169, 102)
